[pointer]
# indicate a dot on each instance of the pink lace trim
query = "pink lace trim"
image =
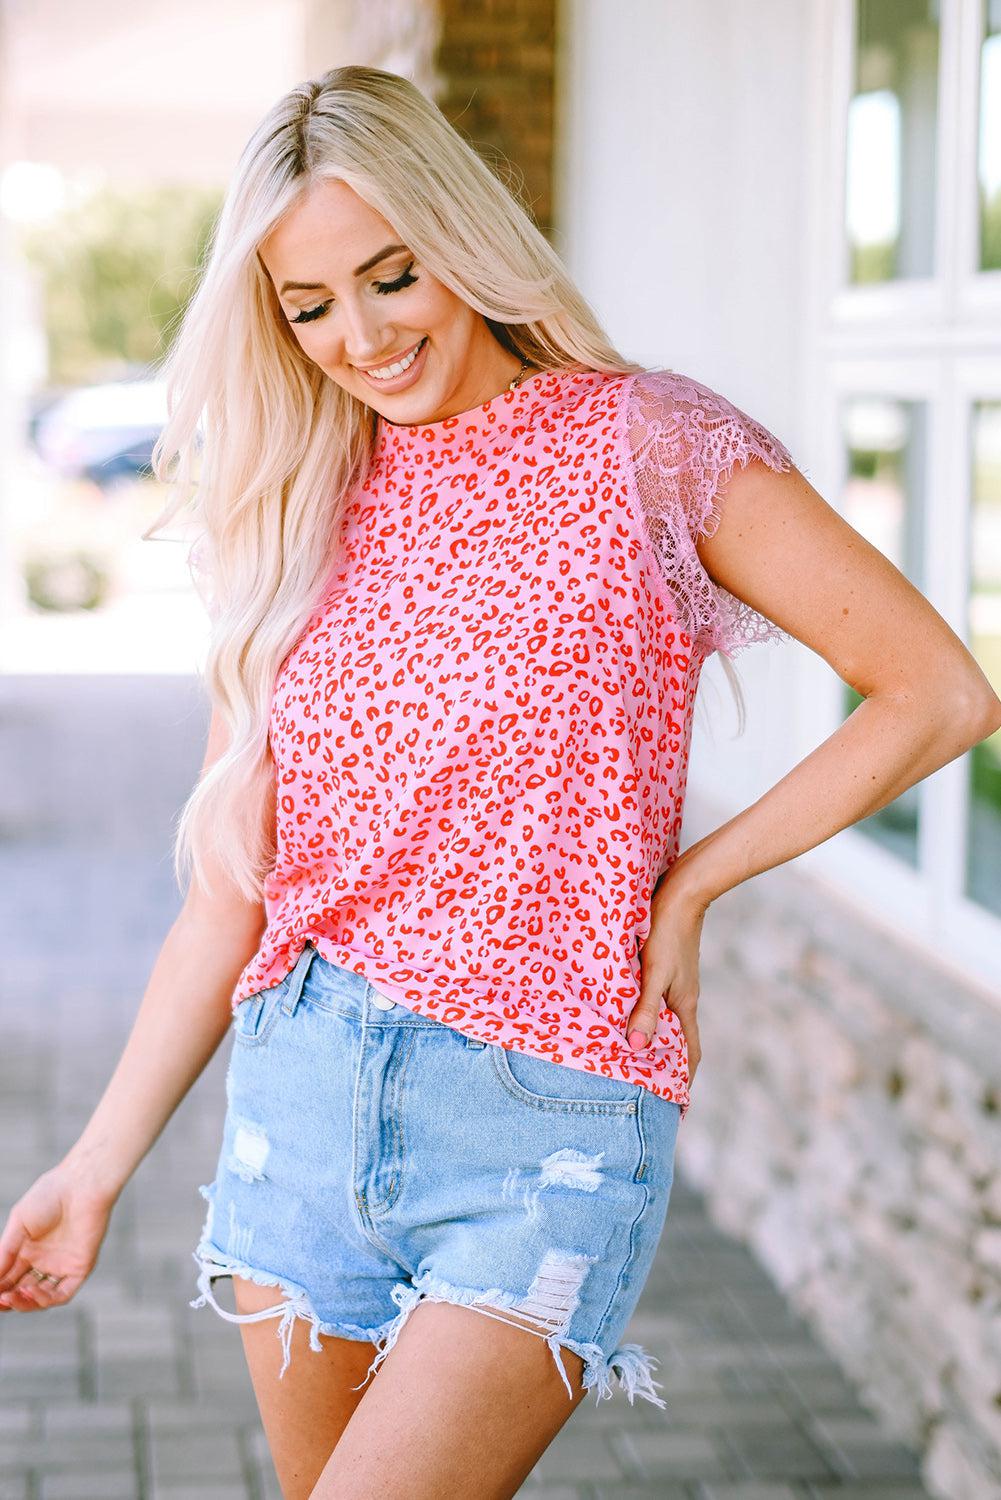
(685, 440)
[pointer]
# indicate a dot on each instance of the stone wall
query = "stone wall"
(846, 1125)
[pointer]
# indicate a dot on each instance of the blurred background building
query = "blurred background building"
(797, 202)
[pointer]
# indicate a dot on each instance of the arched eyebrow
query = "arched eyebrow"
(317, 286)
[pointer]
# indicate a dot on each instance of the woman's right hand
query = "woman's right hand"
(56, 1226)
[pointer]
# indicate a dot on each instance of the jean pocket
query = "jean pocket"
(255, 1016)
(554, 1086)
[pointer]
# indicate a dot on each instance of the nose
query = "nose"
(363, 335)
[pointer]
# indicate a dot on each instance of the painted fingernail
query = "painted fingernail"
(637, 1040)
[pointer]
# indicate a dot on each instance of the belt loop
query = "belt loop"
(298, 979)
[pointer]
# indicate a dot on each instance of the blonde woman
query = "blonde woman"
(464, 564)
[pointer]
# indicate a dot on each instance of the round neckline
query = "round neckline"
(488, 416)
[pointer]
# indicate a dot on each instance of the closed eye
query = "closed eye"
(383, 287)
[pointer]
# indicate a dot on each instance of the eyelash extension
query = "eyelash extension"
(383, 287)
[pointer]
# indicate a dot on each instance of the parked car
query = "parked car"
(103, 432)
(39, 404)
(132, 460)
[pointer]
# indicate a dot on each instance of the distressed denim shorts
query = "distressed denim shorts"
(373, 1158)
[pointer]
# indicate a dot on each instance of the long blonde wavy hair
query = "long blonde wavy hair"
(266, 447)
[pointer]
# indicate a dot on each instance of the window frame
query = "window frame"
(918, 339)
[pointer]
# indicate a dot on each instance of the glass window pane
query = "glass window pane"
(884, 499)
(983, 844)
(892, 127)
(989, 152)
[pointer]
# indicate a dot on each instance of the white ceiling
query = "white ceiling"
(145, 89)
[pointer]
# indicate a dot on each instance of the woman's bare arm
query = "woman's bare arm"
(184, 1015)
(782, 549)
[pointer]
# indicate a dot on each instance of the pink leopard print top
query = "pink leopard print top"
(481, 738)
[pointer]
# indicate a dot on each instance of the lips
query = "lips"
(392, 360)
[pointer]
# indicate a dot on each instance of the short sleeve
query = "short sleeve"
(683, 442)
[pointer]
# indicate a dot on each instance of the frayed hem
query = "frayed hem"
(212, 1267)
(630, 1363)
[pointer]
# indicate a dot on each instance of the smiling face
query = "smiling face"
(360, 304)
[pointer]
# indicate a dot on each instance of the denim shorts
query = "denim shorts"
(373, 1158)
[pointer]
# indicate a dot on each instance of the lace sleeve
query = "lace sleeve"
(684, 439)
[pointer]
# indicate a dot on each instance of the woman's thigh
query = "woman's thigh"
(463, 1406)
(304, 1413)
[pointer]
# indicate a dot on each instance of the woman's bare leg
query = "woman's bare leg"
(462, 1406)
(304, 1413)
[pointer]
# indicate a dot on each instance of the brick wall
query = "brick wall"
(495, 65)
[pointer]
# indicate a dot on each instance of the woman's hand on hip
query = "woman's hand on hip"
(669, 962)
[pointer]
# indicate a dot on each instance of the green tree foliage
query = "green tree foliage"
(117, 270)
(990, 231)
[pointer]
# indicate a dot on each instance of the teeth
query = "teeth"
(388, 371)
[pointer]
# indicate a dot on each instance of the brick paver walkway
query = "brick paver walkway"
(128, 1392)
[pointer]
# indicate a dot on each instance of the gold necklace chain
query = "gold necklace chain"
(519, 376)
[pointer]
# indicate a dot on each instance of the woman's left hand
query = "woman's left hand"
(670, 966)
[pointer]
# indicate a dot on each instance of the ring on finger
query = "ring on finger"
(44, 1276)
